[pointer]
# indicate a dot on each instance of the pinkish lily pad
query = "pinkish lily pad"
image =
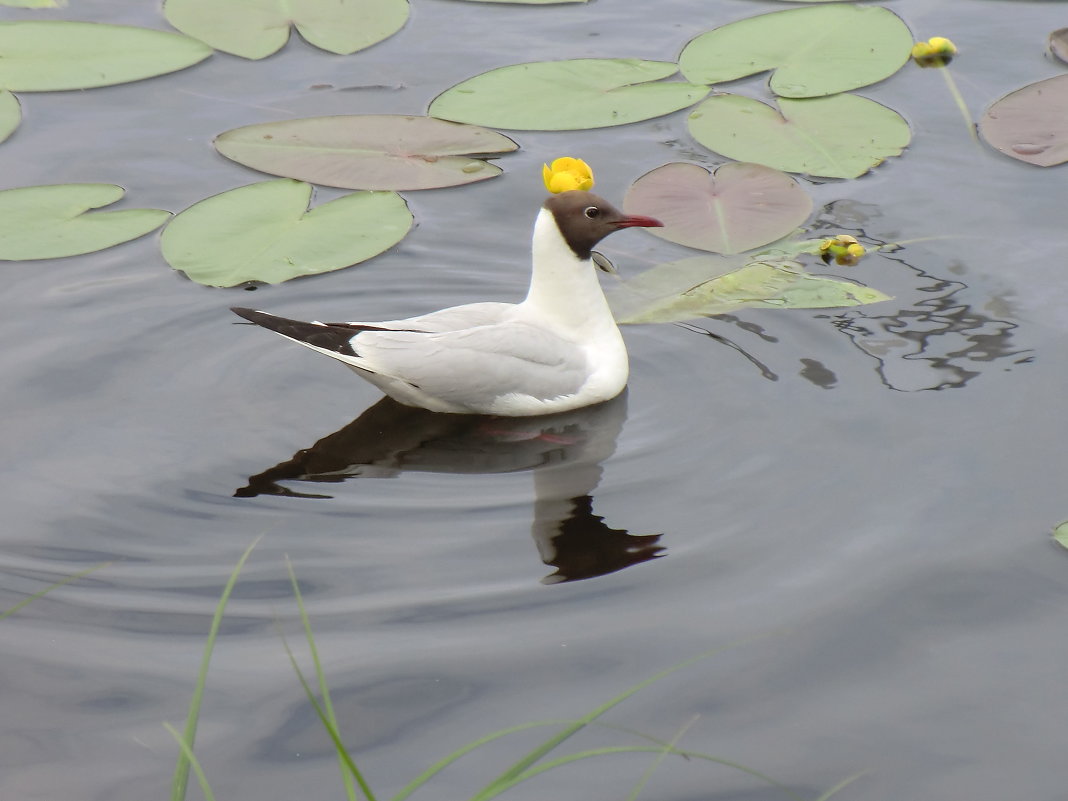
(1031, 124)
(738, 207)
(1058, 44)
(372, 151)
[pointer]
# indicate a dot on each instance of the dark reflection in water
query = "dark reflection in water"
(939, 342)
(765, 371)
(564, 451)
(817, 373)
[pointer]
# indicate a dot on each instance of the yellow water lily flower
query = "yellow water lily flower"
(937, 51)
(844, 249)
(567, 174)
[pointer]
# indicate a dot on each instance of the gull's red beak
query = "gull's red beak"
(638, 221)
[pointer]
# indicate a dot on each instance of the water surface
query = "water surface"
(870, 490)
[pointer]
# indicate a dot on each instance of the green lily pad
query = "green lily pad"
(257, 28)
(703, 286)
(567, 95)
(814, 51)
(736, 208)
(50, 222)
(373, 151)
(842, 136)
(34, 3)
(52, 55)
(10, 114)
(1030, 123)
(264, 232)
(1060, 534)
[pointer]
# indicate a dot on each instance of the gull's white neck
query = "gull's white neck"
(563, 287)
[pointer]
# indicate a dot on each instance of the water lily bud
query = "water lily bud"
(937, 51)
(850, 256)
(567, 174)
(942, 45)
(844, 249)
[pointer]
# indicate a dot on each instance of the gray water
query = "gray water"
(860, 509)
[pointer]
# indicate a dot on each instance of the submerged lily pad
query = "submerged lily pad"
(736, 208)
(814, 51)
(842, 136)
(264, 232)
(257, 28)
(567, 95)
(10, 114)
(52, 55)
(373, 151)
(50, 222)
(1030, 123)
(704, 286)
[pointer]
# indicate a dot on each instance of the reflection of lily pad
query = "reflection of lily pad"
(703, 286)
(264, 232)
(1030, 123)
(10, 114)
(814, 51)
(50, 222)
(842, 136)
(373, 151)
(257, 28)
(739, 207)
(48, 56)
(567, 95)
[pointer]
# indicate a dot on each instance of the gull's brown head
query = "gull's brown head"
(584, 219)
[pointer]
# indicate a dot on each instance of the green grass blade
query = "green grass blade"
(205, 788)
(840, 786)
(48, 589)
(708, 758)
(667, 748)
(577, 757)
(331, 729)
(447, 760)
(181, 770)
(648, 749)
(521, 765)
(324, 690)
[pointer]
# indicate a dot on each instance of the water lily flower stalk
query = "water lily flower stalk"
(937, 52)
(566, 174)
(844, 249)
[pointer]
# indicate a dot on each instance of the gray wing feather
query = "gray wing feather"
(469, 363)
(453, 319)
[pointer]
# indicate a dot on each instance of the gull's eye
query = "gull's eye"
(592, 212)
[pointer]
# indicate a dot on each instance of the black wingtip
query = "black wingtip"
(249, 314)
(320, 335)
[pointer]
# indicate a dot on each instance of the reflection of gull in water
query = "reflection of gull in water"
(564, 451)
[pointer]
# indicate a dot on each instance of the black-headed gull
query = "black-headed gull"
(558, 350)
